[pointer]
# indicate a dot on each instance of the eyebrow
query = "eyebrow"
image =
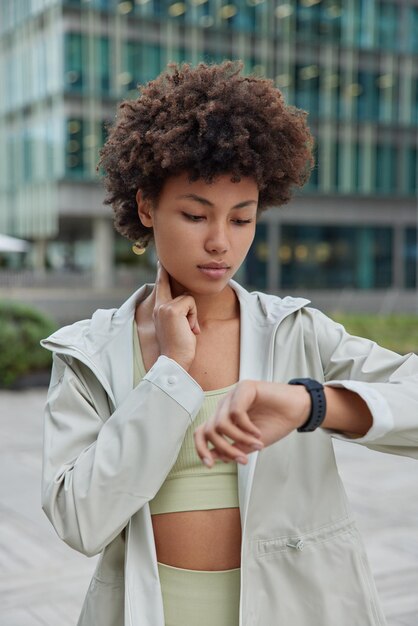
(206, 202)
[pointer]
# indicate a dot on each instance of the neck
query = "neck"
(213, 307)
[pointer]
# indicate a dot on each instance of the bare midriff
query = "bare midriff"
(199, 540)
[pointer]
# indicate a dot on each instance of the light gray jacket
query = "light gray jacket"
(108, 448)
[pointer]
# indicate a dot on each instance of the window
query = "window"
(368, 96)
(331, 17)
(74, 148)
(149, 8)
(386, 178)
(27, 160)
(78, 63)
(414, 100)
(413, 29)
(308, 20)
(387, 103)
(247, 16)
(256, 262)
(412, 170)
(316, 20)
(103, 64)
(324, 257)
(200, 13)
(358, 166)
(307, 88)
(142, 62)
(410, 257)
(73, 62)
(337, 164)
(387, 21)
(365, 23)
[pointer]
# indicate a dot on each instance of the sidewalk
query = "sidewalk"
(43, 582)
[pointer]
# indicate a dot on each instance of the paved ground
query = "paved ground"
(42, 581)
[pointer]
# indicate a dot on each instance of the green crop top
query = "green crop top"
(190, 485)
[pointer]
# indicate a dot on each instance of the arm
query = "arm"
(347, 413)
(371, 392)
(99, 469)
(258, 413)
(386, 381)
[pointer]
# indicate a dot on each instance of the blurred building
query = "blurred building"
(352, 64)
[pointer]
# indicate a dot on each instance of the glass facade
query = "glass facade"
(327, 257)
(352, 65)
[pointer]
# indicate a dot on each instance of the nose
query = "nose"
(217, 240)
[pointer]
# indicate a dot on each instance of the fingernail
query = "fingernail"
(207, 461)
(257, 446)
(241, 459)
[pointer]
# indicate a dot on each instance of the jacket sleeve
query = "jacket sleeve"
(100, 467)
(387, 382)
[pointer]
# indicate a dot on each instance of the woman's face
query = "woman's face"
(202, 231)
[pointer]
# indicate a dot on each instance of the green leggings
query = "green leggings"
(196, 597)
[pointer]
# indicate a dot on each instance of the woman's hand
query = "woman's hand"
(253, 415)
(175, 322)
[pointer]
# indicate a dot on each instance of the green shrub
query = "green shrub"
(21, 329)
(397, 332)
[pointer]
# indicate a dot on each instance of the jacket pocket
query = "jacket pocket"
(317, 578)
(104, 604)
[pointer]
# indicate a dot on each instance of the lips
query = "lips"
(214, 266)
(214, 270)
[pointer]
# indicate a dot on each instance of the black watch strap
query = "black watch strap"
(318, 403)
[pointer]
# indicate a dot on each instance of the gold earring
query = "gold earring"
(138, 248)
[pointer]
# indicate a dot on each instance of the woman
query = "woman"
(265, 537)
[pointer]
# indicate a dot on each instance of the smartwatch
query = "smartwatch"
(318, 403)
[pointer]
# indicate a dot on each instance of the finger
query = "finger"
(242, 440)
(214, 436)
(162, 286)
(223, 447)
(229, 412)
(192, 317)
(189, 305)
(207, 456)
(242, 399)
(222, 424)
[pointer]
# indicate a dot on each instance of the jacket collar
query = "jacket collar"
(260, 314)
(104, 342)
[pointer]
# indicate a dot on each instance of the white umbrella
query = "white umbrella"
(11, 244)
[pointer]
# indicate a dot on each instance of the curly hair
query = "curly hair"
(207, 121)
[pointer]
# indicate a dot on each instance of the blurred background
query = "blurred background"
(348, 241)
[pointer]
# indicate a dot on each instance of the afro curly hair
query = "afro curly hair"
(207, 121)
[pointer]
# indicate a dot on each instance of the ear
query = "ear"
(145, 210)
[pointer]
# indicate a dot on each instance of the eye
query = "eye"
(193, 218)
(241, 222)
